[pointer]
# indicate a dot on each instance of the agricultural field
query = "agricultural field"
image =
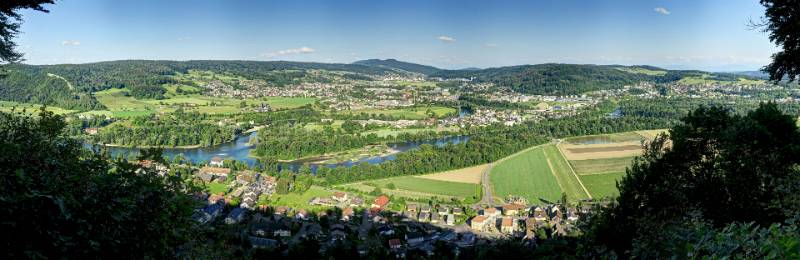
(464, 175)
(601, 165)
(570, 184)
(7, 106)
(535, 174)
(600, 160)
(409, 113)
(651, 134)
(602, 185)
(418, 187)
(121, 104)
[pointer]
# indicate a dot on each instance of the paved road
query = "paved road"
(487, 198)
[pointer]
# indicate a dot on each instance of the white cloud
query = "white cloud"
(661, 10)
(301, 50)
(70, 43)
(446, 38)
(490, 45)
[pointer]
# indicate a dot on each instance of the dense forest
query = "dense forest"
(287, 142)
(400, 65)
(176, 129)
(551, 79)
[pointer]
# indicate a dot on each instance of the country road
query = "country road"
(487, 198)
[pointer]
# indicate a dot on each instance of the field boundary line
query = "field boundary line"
(600, 173)
(552, 172)
(572, 170)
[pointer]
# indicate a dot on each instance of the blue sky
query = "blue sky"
(710, 35)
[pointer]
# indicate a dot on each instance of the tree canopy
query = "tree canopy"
(782, 21)
(715, 166)
(62, 200)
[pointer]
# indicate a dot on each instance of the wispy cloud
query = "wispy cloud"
(661, 10)
(446, 38)
(70, 43)
(490, 45)
(301, 50)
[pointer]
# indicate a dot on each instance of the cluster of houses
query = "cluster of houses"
(247, 185)
(428, 214)
(485, 117)
(338, 199)
(521, 220)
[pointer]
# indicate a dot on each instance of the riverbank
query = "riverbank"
(353, 155)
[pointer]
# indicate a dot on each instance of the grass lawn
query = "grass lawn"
(569, 182)
(527, 175)
(602, 185)
(216, 187)
(297, 200)
(606, 165)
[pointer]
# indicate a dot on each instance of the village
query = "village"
(370, 223)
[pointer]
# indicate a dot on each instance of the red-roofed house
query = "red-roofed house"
(380, 202)
(508, 225)
(339, 196)
(479, 222)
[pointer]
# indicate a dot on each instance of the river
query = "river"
(239, 150)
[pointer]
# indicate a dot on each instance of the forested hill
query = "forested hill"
(70, 85)
(552, 79)
(401, 65)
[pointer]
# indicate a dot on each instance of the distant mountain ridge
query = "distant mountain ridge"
(74, 83)
(401, 65)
